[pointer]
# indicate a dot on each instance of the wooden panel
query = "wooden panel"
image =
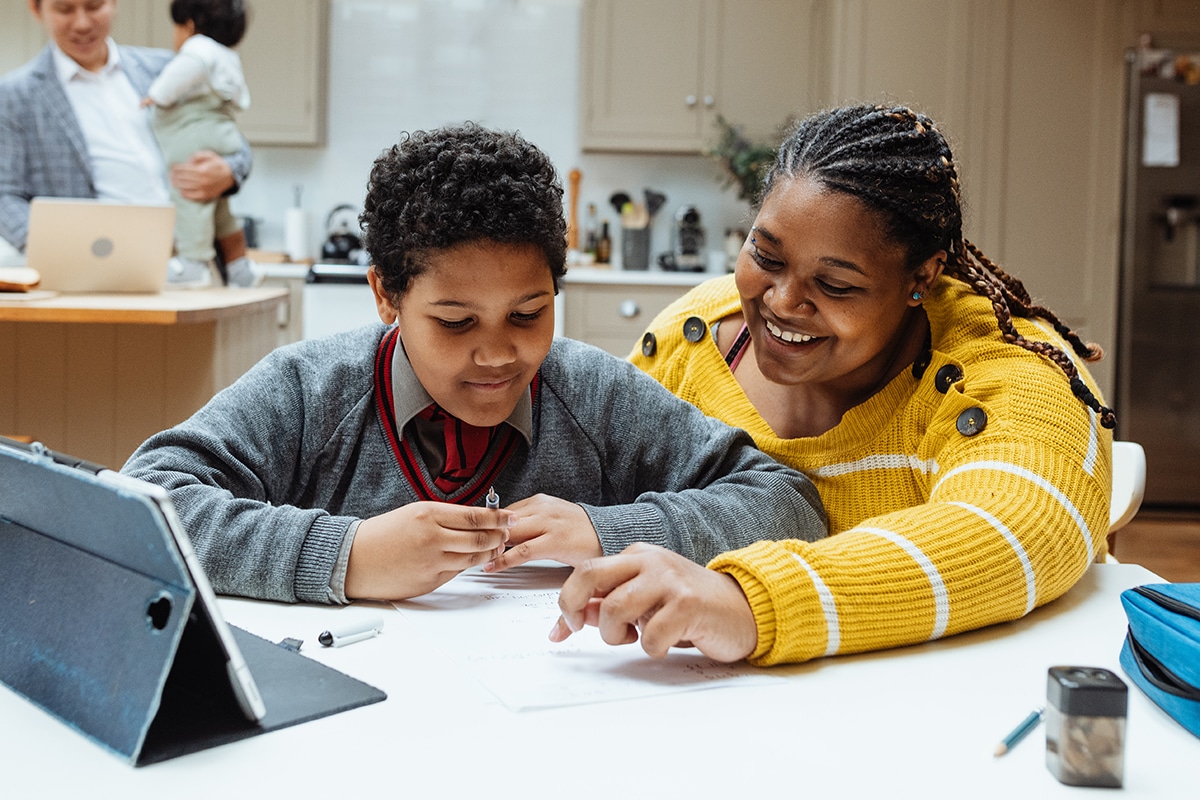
(8, 379)
(21, 37)
(592, 313)
(911, 53)
(146, 23)
(41, 402)
(642, 59)
(90, 356)
(766, 67)
(99, 390)
(140, 366)
(1169, 21)
(284, 57)
(1062, 176)
(190, 371)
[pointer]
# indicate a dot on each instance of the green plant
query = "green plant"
(745, 162)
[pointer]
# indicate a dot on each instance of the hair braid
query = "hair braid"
(897, 162)
(1025, 307)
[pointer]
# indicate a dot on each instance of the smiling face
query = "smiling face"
(80, 28)
(476, 325)
(825, 295)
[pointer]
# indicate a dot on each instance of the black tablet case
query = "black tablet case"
(101, 625)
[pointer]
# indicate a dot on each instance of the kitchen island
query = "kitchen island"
(94, 375)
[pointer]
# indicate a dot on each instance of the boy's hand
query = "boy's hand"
(672, 601)
(548, 528)
(416, 548)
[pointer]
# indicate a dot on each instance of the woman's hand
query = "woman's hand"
(416, 548)
(674, 602)
(548, 528)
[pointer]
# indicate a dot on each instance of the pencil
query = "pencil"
(492, 500)
(1020, 732)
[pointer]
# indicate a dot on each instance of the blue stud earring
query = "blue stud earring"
(918, 296)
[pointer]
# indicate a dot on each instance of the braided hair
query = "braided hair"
(897, 162)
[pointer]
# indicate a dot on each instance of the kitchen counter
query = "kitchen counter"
(94, 375)
(636, 277)
(163, 308)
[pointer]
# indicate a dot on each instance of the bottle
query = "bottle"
(591, 230)
(603, 245)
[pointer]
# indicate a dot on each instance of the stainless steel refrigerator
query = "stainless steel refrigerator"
(1158, 368)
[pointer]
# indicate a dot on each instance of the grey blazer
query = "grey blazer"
(42, 150)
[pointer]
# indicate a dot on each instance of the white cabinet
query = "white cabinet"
(656, 73)
(284, 54)
(612, 309)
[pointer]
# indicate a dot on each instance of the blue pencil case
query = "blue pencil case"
(1161, 654)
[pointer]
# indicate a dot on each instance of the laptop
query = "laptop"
(110, 623)
(82, 246)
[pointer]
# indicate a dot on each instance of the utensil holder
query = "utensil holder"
(635, 248)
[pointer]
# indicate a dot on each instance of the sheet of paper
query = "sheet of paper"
(1160, 133)
(497, 626)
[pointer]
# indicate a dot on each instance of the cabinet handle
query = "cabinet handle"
(629, 309)
(690, 100)
(708, 101)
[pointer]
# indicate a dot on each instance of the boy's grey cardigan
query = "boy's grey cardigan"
(271, 473)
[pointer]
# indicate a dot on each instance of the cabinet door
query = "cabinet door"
(284, 56)
(766, 66)
(642, 66)
(656, 73)
(145, 23)
(21, 37)
(614, 316)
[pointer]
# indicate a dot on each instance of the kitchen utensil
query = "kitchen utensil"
(573, 178)
(635, 248)
(618, 200)
(654, 201)
(634, 215)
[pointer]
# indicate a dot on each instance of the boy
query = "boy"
(355, 466)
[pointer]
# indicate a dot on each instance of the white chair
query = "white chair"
(1128, 483)
(1128, 488)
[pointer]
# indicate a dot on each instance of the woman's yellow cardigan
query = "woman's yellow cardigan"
(963, 494)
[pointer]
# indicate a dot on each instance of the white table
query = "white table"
(916, 722)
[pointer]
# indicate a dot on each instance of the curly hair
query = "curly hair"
(223, 21)
(456, 184)
(896, 161)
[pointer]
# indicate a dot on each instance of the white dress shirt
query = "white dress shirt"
(126, 163)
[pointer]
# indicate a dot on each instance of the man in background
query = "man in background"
(71, 125)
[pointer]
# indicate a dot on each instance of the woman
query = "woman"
(958, 444)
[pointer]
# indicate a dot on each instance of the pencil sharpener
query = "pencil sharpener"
(1085, 726)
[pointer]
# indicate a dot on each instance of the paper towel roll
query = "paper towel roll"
(295, 234)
